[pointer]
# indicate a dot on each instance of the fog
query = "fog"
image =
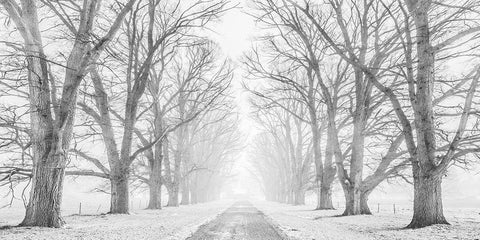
(187, 116)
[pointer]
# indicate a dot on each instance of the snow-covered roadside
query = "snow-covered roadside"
(302, 223)
(168, 223)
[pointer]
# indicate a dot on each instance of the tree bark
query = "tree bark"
(155, 196)
(329, 172)
(281, 197)
(119, 198)
(173, 196)
(352, 201)
(325, 197)
(173, 200)
(290, 197)
(317, 155)
(364, 208)
(43, 209)
(326, 185)
(352, 187)
(155, 180)
(155, 184)
(194, 189)
(299, 197)
(185, 192)
(194, 197)
(427, 202)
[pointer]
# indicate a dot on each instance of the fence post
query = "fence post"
(394, 209)
(378, 207)
(80, 209)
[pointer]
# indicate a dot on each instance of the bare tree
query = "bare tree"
(283, 152)
(200, 82)
(291, 47)
(214, 144)
(437, 40)
(51, 131)
(143, 51)
(299, 40)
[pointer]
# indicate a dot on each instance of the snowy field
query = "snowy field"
(300, 222)
(165, 224)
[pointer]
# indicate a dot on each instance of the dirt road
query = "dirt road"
(242, 221)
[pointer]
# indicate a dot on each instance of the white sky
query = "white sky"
(235, 31)
(235, 34)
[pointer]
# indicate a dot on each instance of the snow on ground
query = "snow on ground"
(168, 223)
(301, 222)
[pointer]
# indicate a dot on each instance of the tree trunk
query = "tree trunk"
(155, 199)
(194, 190)
(155, 178)
(173, 196)
(329, 172)
(49, 144)
(194, 197)
(185, 192)
(352, 201)
(300, 197)
(281, 197)
(155, 186)
(268, 196)
(352, 185)
(427, 202)
(43, 209)
(119, 197)
(364, 209)
(326, 188)
(290, 197)
(325, 197)
(317, 154)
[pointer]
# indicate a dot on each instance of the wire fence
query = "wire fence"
(387, 208)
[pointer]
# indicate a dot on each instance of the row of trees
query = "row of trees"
(382, 87)
(139, 78)
(283, 155)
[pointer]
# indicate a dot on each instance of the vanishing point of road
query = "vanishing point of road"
(242, 221)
